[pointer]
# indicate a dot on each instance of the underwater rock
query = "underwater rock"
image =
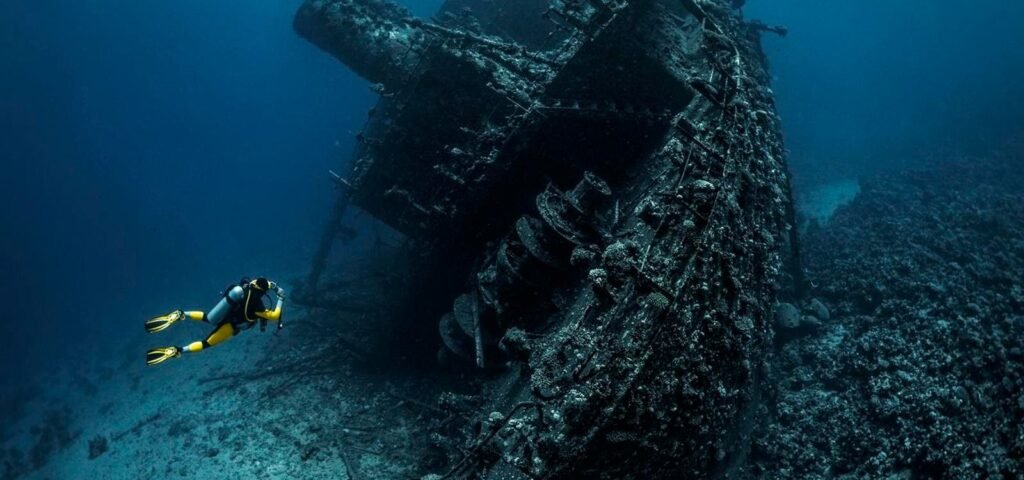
(787, 316)
(809, 322)
(818, 309)
(53, 434)
(790, 323)
(97, 446)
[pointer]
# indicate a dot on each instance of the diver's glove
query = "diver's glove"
(280, 292)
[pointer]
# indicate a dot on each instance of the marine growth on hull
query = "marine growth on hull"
(594, 211)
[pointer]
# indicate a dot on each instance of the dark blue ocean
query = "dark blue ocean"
(153, 153)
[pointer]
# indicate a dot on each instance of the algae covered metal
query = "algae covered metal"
(597, 196)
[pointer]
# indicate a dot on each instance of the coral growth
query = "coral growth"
(51, 435)
(919, 372)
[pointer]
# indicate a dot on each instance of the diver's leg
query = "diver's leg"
(221, 334)
(197, 316)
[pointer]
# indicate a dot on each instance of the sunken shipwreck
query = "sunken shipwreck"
(554, 240)
(595, 220)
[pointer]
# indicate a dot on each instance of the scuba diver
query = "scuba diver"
(240, 309)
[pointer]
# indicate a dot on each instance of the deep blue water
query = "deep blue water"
(154, 151)
(874, 84)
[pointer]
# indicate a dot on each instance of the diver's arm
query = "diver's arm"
(275, 314)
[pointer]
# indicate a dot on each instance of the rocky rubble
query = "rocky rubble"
(919, 372)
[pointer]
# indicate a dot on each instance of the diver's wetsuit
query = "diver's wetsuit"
(239, 309)
(246, 310)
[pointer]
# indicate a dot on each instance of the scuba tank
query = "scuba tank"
(231, 299)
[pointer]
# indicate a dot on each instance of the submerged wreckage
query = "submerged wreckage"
(598, 214)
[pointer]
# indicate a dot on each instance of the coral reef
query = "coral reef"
(53, 434)
(919, 372)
